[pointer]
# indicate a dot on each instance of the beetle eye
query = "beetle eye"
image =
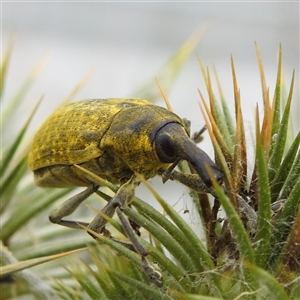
(164, 148)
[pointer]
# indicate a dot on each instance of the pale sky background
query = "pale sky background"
(127, 43)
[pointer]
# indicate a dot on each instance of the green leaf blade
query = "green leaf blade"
(263, 231)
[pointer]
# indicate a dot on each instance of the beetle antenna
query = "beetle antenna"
(167, 173)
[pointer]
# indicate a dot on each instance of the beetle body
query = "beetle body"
(115, 139)
(111, 138)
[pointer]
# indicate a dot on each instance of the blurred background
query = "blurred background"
(126, 44)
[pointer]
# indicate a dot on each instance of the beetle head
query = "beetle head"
(171, 143)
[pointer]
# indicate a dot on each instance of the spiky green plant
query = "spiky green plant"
(250, 253)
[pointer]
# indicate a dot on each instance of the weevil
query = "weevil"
(116, 139)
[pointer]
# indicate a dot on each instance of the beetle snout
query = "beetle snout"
(214, 169)
(173, 143)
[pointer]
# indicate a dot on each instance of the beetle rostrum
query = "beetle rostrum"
(171, 142)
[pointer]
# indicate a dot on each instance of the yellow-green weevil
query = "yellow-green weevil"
(116, 139)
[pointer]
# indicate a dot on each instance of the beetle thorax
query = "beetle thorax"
(130, 138)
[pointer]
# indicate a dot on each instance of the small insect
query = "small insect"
(116, 139)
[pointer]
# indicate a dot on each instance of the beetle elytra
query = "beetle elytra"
(115, 139)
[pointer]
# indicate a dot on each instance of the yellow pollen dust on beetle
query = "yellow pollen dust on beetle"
(115, 139)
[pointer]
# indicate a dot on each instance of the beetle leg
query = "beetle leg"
(193, 181)
(197, 137)
(136, 227)
(69, 206)
(153, 275)
(123, 197)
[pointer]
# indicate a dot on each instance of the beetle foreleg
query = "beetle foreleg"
(69, 206)
(192, 181)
